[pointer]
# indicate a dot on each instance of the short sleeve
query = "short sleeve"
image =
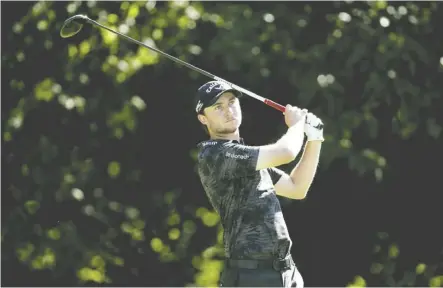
(275, 174)
(236, 160)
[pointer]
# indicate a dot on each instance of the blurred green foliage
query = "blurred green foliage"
(364, 70)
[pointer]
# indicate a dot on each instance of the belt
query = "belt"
(276, 264)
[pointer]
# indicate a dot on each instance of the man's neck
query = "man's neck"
(232, 136)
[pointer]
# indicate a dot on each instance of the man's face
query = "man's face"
(224, 116)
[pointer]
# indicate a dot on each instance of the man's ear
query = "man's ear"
(202, 119)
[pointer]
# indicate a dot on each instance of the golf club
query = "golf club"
(74, 24)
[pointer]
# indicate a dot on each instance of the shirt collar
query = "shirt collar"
(240, 141)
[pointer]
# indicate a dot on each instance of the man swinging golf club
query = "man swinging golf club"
(242, 182)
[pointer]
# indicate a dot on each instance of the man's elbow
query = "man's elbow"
(290, 154)
(299, 192)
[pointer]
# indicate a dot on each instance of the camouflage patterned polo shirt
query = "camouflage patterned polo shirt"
(245, 199)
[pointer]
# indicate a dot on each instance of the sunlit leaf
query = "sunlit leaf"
(45, 260)
(42, 25)
(84, 48)
(97, 262)
(376, 268)
(210, 219)
(132, 212)
(88, 274)
(436, 281)
(77, 194)
(133, 10)
(25, 252)
(420, 268)
(113, 169)
(113, 18)
(7, 136)
(156, 245)
(43, 90)
(32, 206)
(118, 261)
(54, 234)
(173, 219)
(358, 282)
(174, 234)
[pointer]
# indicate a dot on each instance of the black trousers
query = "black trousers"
(254, 273)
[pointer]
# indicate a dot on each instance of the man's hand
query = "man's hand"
(294, 115)
(314, 128)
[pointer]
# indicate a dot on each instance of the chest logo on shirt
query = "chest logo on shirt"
(236, 156)
(209, 143)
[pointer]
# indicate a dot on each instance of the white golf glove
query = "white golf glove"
(314, 128)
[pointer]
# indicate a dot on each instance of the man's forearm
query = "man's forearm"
(293, 139)
(303, 173)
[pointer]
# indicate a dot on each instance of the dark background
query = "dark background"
(97, 183)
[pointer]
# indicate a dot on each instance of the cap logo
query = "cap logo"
(199, 106)
(213, 86)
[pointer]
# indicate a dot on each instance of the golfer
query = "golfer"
(242, 181)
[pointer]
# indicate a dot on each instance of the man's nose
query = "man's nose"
(229, 112)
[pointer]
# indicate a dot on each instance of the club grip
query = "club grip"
(275, 105)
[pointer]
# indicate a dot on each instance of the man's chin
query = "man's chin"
(228, 130)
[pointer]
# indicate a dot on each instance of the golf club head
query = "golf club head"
(73, 25)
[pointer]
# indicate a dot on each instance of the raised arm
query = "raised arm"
(287, 148)
(297, 183)
(237, 160)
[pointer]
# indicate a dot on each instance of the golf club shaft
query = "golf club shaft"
(201, 71)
